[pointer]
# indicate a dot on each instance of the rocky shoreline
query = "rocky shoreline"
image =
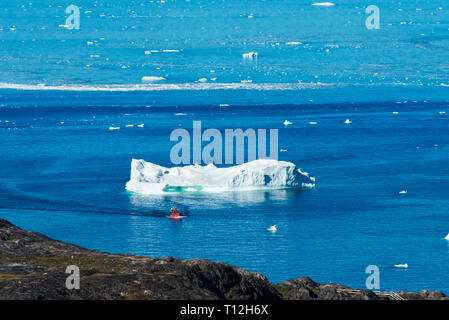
(33, 266)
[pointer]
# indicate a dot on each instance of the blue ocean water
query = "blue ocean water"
(63, 173)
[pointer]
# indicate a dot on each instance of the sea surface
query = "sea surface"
(63, 172)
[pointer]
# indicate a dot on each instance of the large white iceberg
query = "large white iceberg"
(150, 178)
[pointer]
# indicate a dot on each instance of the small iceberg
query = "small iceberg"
(114, 128)
(403, 192)
(287, 123)
(313, 122)
(129, 125)
(273, 228)
(250, 55)
(152, 79)
(404, 265)
(347, 121)
(447, 237)
(141, 125)
(150, 178)
(324, 4)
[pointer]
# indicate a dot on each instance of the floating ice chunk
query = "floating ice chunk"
(442, 112)
(404, 265)
(447, 237)
(140, 125)
(273, 228)
(347, 121)
(246, 81)
(114, 128)
(324, 4)
(152, 79)
(395, 112)
(293, 43)
(150, 178)
(224, 105)
(180, 114)
(202, 79)
(250, 55)
(129, 125)
(313, 122)
(403, 192)
(287, 123)
(283, 150)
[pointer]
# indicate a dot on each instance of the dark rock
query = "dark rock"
(306, 289)
(423, 295)
(32, 266)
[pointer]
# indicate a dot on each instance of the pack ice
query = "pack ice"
(150, 178)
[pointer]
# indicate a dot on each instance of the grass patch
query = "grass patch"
(282, 291)
(138, 295)
(84, 262)
(6, 276)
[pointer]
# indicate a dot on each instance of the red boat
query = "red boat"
(174, 213)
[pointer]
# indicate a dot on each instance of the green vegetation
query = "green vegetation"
(84, 262)
(6, 276)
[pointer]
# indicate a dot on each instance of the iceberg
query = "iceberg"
(152, 79)
(150, 178)
(324, 4)
(250, 55)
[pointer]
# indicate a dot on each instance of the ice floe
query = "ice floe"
(250, 55)
(152, 79)
(324, 4)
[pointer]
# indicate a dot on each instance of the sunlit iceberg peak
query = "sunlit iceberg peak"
(150, 178)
